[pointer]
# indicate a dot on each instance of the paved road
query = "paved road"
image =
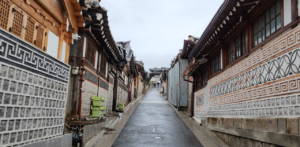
(154, 123)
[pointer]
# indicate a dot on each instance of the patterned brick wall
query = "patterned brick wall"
(33, 93)
(264, 84)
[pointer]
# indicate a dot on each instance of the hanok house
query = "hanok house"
(132, 75)
(97, 68)
(250, 82)
(141, 79)
(187, 47)
(35, 37)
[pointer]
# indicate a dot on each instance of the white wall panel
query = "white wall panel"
(52, 47)
(287, 11)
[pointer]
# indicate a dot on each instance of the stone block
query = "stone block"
(231, 140)
(67, 140)
(55, 142)
(269, 125)
(281, 128)
(248, 123)
(227, 122)
(226, 138)
(292, 126)
(237, 122)
(212, 120)
(266, 145)
(257, 144)
(249, 143)
(243, 142)
(237, 142)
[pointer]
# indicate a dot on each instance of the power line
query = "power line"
(201, 28)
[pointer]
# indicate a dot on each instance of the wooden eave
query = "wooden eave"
(103, 34)
(187, 47)
(52, 8)
(110, 37)
(100, 28)
(73, 10)
(229, 15)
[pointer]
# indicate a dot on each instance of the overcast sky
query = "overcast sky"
(157, 28)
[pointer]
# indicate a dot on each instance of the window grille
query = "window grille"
(103, 66)
(4, 13)
(215, 64)
(17, 23)
(29, 30)
(40, 36)
(267, 24)
(90, 54)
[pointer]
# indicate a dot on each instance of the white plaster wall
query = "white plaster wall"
(298, 7)
(63, 54)
(287, 11)
(96, 61)
(84, 46)
(52, 46)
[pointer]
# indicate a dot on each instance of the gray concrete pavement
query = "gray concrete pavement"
(154, 123)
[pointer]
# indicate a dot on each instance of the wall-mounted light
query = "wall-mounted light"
(75, 70)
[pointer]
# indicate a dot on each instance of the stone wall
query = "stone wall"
(33, 93)
(90, 89)
(110, 95)
(122, 96)
(132, 90)
(140, 87)
(241, 132)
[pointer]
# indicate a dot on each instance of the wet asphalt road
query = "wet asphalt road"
(154, 123)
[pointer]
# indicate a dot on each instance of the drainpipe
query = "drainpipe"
(192, 102)
(81, 65)
(192, 97)
(81, 81)
(179, 98)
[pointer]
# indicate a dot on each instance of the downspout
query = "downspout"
(192, 97)
(81, 81)
(179, 87)
(192, 102)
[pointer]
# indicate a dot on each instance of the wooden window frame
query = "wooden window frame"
(237, 47)
(216, 60)
(201, 79)
(264, 23)
(102, 66)
(92, 54)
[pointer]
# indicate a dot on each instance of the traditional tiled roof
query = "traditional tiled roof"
(229, 15)
(96, 20)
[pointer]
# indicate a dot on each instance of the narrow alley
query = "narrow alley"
(103, 73)
(154, 123)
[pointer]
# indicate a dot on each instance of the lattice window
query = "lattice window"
(4, 13)
(103, 66)
(40, 36)
(17, 23)
(29, 30)
(90, 54)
